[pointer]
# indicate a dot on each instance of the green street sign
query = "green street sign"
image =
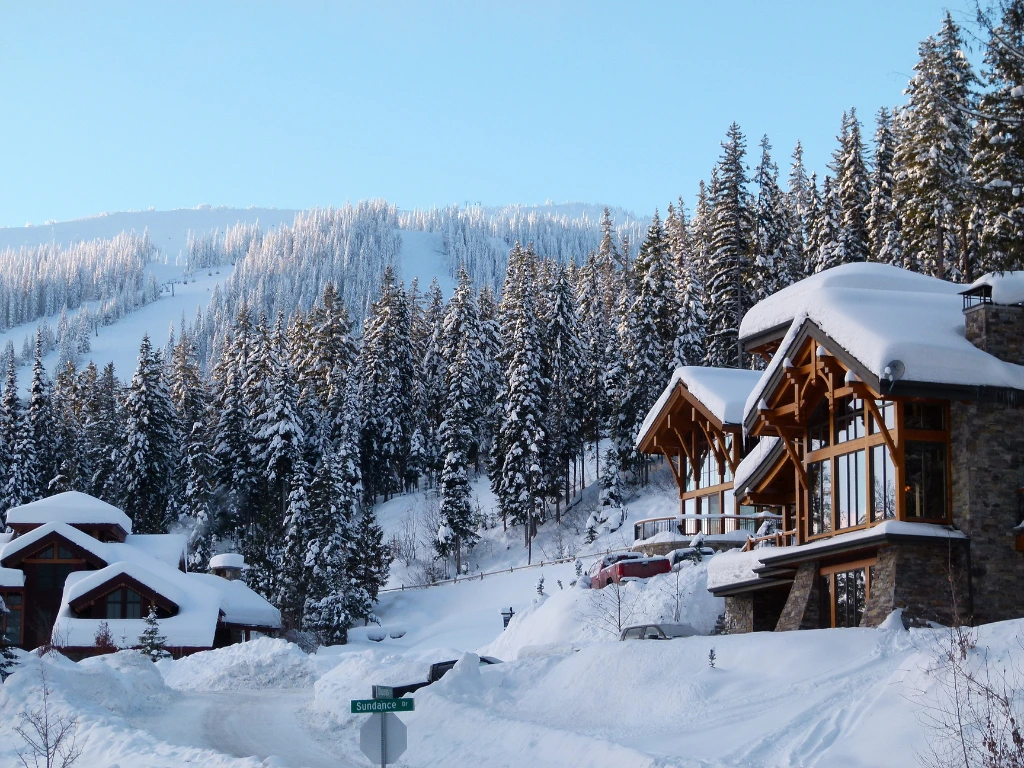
(370, 706)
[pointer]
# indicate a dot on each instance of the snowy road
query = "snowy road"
(265, 724)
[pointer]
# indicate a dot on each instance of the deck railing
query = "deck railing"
(710, 525)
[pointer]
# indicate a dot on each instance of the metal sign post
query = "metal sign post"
(383, 738)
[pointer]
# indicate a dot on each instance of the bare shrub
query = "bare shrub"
(104, 641)
(612, 607)
(49, 738)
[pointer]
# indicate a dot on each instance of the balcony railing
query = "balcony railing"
(709, 525)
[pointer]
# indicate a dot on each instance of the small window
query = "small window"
(65, 554)
(11, 624)
(12, 599)
(114, 605)
(133, 606)
(632, 634)
(929, 416)
(45, 554)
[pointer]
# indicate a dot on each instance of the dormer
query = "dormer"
(97, 519)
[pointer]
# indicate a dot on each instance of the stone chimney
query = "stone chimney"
(997, 329)
(228, 566)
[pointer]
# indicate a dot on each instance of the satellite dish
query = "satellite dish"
(894, 371)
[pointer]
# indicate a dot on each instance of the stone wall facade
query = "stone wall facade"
(803, 607)
(928, 581)
(739, 614)
(987, 458)
(998, 330)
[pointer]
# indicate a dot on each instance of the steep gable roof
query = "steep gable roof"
(16, 550)
(70, 507)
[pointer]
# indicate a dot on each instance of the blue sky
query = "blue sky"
(294, 104)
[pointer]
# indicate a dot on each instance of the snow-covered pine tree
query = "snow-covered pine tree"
(491, 374)
(67, 409)
(103, 439)
(827, 234)
(853, 192)
(730, 242)
(595, 332)
(151, 445)
(432, 371)
(152, 644)
(773, 260)
(690, 335)
(881, 209)
(41, 468)
(299, 529)
(562, 361)
(193, 501)
(12, 483)
(933, 186)
(998, 146)
(520, 491)
(798, 203)
(7, 657)
(462, 409)
(387, 390)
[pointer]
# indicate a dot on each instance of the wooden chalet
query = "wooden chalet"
(885, 432)
(72, 563)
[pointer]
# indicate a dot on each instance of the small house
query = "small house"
(72, 563)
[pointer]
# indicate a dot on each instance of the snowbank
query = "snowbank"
(733, 567)
(262, 663)
(578, 617)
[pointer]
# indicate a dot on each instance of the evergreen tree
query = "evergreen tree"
(101, 419)
(689, 346)
(520, 486)
(151, 643)
(798, 204)
(998, 145)
(933, 156)
(774, 261)
(12, 481)
(7, 657)
(853, 192)
(151, 440)
(298, 530)
(729, 254)
(827, 234)
(882, 210)
(41, 461)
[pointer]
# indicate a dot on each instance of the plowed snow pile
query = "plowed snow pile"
(262, 663)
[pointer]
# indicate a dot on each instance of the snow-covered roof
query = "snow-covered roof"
(239, 603)
(5, 537)
(781, 308)
(168, 548)
(752, 462)
(733, 567)
(93, 579)
(69, 507)
(227, 560)
(75, 536)
(11, 577)
(723, 391)
(880, 314)
(1007, 288)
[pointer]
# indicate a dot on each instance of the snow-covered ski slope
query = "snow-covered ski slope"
(421, 257)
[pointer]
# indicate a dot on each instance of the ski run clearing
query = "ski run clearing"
(568, 693)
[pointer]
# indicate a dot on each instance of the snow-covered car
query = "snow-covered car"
(437, 671)
(631, 568)
(604, 562)
(657, 632)
(688, 554)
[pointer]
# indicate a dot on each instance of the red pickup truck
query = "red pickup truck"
(634, 568)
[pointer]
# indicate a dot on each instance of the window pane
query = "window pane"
(12, 599)
(849, 419)
(134, 605)
(12, 631)
(114, 605)
(818, 429)
(851, 489)
(883, 484)
(926, 487)
(728, 502)
(924, 416)
(887, 408)
(65, 554)
(850, 595)
(819, 474)
(45, 554)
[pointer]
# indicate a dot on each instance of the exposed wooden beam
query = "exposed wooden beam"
(884, 430)
(791, 450)
(675, 472)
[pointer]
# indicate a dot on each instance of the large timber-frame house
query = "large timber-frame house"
(882, 445)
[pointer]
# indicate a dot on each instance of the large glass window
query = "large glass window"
(883, 484)
(53, 576)
(926, 486)
(819, 474)
(849, 419)
(709, 469)
(850, 596)
(887, 410)
(851, 489)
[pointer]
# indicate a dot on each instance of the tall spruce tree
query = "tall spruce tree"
(881, 210)
(853, 193)
(151, 445)
(774, 257)
(933, 157)
(730, 242)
